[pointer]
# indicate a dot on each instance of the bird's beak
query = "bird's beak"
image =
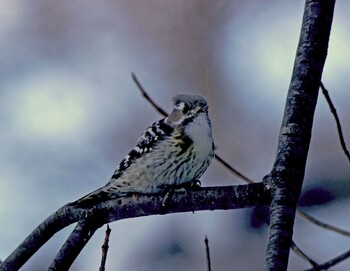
(204, 109)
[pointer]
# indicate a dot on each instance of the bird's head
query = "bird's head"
(189, 109)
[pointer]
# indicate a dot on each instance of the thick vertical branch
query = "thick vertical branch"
(287, 175)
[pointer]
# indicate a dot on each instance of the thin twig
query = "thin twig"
(105, 249)
(231, 169)
(331, 262)
(299, 252)
(206, 241)
(334, 112)
(144, 93)
(322, 224)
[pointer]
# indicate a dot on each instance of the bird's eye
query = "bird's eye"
(185, 110)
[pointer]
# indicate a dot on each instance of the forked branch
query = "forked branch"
(202, 198)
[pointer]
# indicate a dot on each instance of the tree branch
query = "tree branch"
(203, 198)
(77, 240)
(302, 254)
(105, 249)
(207, 252)
(287, 175)
(38, 237)
(334, 112)
(331, 262)
(322, 224)
(148, 98)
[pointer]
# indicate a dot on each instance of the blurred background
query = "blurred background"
(69, 112)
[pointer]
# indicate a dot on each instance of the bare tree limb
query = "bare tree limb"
(299, 252)
(287, 175)
(144, 93)
(203, 198)
(105, 249)
(331, 262)
(334, 112)
(232, 170)
(39, 236)
(77, 240)
(322, 224)
(207, 252)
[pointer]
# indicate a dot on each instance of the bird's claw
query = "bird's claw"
(171, 192)
(195, 184)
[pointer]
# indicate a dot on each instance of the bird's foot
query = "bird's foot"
(192, 185)
(171, 192)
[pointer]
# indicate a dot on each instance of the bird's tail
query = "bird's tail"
(95, 197)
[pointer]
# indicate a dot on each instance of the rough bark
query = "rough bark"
(203, 198)
(286, 177)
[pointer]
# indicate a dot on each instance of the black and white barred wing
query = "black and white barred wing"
(155, 133)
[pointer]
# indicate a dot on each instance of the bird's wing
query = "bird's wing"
(148, 140)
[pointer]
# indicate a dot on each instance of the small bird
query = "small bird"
(172, 152)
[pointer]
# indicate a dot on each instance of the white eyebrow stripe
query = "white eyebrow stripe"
(180, 105)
